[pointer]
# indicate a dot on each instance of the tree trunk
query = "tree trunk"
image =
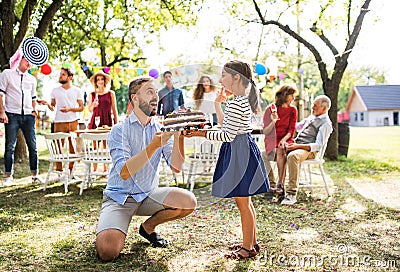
(331, 90)
(20, 153)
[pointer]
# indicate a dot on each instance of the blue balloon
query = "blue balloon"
(261, 69)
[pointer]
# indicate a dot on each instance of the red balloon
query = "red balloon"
(45, 69)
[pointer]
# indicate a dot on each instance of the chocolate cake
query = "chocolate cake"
(185, 119)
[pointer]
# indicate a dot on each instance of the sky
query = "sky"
(376, 45)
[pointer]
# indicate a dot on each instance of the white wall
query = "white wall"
(381, 118)
(371, 119)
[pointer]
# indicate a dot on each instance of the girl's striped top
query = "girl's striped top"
(236, 120)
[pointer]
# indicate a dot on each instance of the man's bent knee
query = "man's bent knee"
(109, 244)
(181, 199)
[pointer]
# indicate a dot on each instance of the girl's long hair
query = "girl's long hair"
(235, 67)
(199, 91)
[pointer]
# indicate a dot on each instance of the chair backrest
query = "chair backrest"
(57, 144)
(206, 150)
(321, 153)
(95, 147)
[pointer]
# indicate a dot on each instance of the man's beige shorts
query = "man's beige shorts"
(117, 216)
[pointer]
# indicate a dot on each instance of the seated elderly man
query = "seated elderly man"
(314, 132)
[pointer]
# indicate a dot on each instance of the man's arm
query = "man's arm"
(135, 163)
(178, 153)
(78, 109)
(322, 137)
(3, 115)
(44, 102)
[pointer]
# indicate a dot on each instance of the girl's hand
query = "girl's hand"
(221, 96)
(192, 133)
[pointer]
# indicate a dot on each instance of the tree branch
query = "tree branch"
(47, 18)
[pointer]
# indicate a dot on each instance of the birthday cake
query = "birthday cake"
(185, 119)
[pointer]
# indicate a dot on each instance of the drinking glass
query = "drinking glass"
(97, 121)
(87, 122)
(210, 118)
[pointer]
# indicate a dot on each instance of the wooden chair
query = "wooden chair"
(58, 146)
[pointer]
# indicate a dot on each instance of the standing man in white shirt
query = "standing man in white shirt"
(18, 92)
(67, 99)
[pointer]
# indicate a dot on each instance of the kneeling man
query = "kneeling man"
(136, 147)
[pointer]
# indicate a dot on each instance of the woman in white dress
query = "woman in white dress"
(204, 96)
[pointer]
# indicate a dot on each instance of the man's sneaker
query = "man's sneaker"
(37, 179)
(289, 200)
(8, 181)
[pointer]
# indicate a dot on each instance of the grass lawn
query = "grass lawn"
(50, 231)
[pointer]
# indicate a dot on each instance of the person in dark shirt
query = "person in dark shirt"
(170, 98)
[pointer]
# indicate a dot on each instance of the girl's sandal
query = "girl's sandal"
(238, 246)
(237, 255)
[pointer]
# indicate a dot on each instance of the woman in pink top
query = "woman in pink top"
(279, 127)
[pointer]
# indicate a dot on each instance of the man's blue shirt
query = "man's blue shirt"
(125, 141)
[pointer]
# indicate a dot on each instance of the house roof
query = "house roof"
(376, 97)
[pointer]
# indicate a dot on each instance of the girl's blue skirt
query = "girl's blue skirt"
(240, 170)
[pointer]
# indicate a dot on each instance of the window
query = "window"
(356, 117)
(361, 116)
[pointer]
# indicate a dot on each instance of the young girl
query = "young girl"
(240, 172)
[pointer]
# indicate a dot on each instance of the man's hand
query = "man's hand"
(161, 138)
(291, 147)
(65, 109)
(3, 117)
(42, 102)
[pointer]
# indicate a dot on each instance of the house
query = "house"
(374, 105)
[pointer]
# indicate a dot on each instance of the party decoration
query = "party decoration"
(140, 71)
(154, 73)
(189, 70)
(281, 76)
(35, 51)
(106, 70)
(85, 68)
(45, 69)
(15, 59)
(260, 69)
(118, 70)
(271, 78)
(67, 65)
(301, 71)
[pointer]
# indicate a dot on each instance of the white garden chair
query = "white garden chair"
(203, 160)
(95, 151)
(318, 161)
(57, 144)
